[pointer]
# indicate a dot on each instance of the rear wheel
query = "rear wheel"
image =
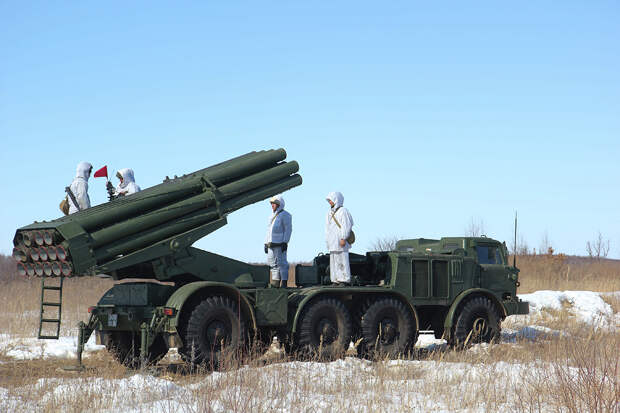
(125, 347)
(215, 331)
(325, 328)
(478, 321)
(388, 328)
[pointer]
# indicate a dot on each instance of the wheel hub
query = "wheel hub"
(480, 328)
(327, 330)
(388, 331)
(216, 332)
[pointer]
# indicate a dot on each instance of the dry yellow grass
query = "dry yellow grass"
(576, 370)
(21, 298)
(559, 272)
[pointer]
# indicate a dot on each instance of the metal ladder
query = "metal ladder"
(50, 304)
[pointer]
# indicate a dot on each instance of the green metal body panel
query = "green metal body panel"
(203, 289)
(126, 306)
(271, 307)
(205, 265)
(137, 294)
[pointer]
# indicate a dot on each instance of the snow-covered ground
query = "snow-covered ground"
(348, 384)
(31, 348)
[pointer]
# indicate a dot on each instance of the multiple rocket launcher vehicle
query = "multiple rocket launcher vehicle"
(206, 304)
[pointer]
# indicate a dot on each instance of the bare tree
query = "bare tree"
(521, 248)
(545, 245)
(384, 244)
(8, 267)
(599, 248)
(475, 227)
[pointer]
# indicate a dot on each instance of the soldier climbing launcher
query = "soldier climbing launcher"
(206, 304)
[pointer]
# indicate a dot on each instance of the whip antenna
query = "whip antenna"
(514, 257)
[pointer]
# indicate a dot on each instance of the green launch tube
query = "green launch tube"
(205, 199)
(193, 220)
(175, 189)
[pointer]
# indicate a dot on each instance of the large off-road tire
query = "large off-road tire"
(477, 321)
(324, 329)
(388, 329)
(125, 347)
(215, 331)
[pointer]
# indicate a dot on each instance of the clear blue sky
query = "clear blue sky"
(424, 116)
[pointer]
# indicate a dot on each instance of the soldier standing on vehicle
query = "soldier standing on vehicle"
(126, 186)
(79, 188)
(339, 236)
(279, 231)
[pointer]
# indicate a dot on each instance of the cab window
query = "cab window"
(489, 255)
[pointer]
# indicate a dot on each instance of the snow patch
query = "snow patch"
(531, 333)
(32, 348)
(586, 306)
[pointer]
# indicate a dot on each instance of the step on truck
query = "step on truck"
(170, 294)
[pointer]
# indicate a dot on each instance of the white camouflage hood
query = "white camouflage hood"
(127, 175)
(337, 198)
(83, 170)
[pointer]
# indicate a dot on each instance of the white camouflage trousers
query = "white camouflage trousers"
(339, 270)
(276, 258)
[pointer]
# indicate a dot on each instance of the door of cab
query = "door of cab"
(494, 274)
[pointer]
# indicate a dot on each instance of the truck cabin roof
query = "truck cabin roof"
(484, 250)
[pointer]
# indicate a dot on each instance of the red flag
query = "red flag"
(102, 172)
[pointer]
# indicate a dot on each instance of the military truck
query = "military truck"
(170, 294)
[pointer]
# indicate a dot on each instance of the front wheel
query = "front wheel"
(478, 321)
(215, 331)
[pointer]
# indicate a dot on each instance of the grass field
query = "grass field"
(550, 361)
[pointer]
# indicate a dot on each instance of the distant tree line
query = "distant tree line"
(8, 267)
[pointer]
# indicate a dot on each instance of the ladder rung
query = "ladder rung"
(50, 320)
(45, 287)
(52, 304)
(48, 337)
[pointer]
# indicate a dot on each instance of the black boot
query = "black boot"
(283, 283)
